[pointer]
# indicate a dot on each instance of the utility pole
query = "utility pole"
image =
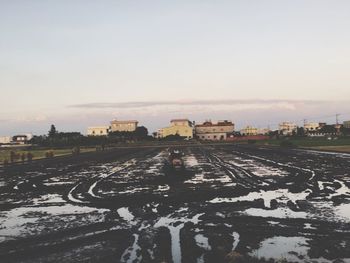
(337, 126)
(337, 118)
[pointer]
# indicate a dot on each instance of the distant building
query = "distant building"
(22, 138)
(98, 131)
(123, 126)
(311, 127)
(181, 127)
(322, 124)
(263, 131)
(5, 139)
(287, 128)
(346, 124)
(249, 131)
(214, 131)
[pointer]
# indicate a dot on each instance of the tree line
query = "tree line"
(54, 138)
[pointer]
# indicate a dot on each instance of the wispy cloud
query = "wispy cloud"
(236, 104)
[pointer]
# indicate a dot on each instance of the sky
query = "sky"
(83, 63)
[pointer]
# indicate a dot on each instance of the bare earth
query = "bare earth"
(119, 206)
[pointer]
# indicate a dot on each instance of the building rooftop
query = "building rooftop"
(219, 123)
(178, 120)
(124, 121)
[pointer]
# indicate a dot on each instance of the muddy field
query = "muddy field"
(233, 204)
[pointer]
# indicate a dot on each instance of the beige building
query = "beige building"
(98, 131)
(311, 126)
(5, 139)
(123, 126)
(181, 127)
(249, 131)
(214, 131)
(287, 128)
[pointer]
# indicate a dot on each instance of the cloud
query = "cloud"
(237, 103)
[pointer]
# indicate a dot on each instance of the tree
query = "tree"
(328, 129)
(52, 131)
(300, 131)
(141, 132)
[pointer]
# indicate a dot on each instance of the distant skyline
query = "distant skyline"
(82, 63)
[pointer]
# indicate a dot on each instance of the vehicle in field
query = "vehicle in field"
(175, 162)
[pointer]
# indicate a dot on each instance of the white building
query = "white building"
(123, 126)
(287, 128)
(214, 131)
(311, 126)
(263, 131)
(98, 131)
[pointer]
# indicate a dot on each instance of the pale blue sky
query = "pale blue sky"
(57, 54)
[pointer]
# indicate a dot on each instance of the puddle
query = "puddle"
(280, 212)
(281, 195)
(175, 225)
(279, 248)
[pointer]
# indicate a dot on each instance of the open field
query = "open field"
(311, 142)
(340, 148)
(255, 202)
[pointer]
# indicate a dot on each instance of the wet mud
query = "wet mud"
(233, 203)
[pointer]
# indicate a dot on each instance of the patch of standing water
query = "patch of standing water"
(343, 211)
(49, 198)
(235, 236)
(343, 190)
(130, 255)
(125, 214)
(14, 222)
(203, 243)
(282, 195)
(191, 160)
(280, 247)
(292, 249)
(175, 225)
(280, 212)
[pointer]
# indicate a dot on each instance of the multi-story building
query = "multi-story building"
(264, 131)
(287, 128)
(249, 131)
(181, 127)
(214, 131)
(98, 131)
(311, 127)
(346, 124)
(123, 126)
